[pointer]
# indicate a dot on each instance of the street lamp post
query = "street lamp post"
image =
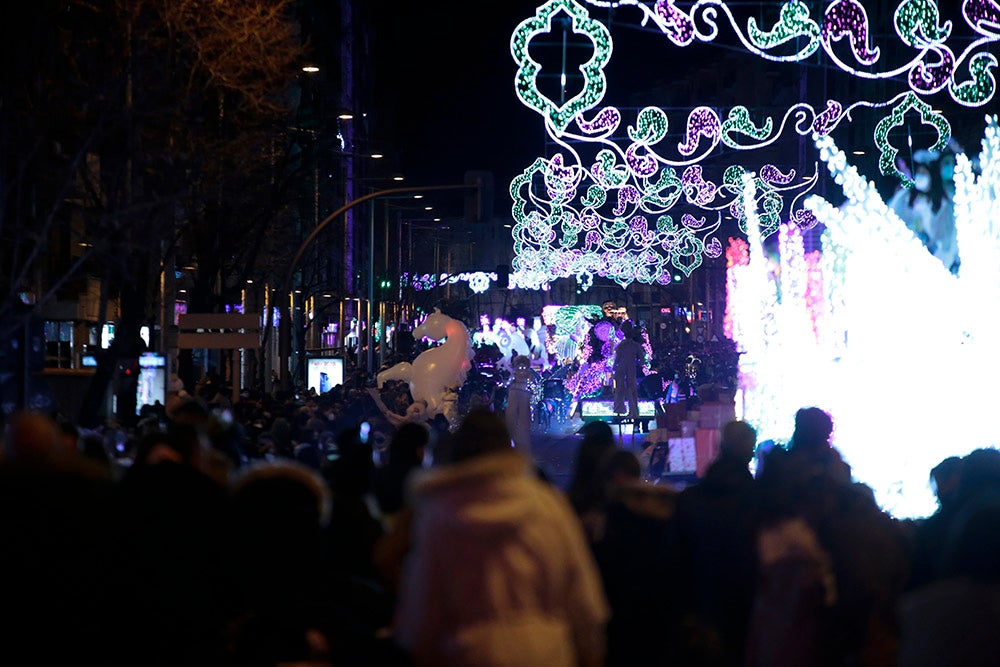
(293, 265)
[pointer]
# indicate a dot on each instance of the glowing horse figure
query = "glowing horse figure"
(436, 372)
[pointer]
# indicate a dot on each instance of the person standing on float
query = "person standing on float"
(628, 356)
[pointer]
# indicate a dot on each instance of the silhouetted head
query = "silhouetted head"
(980, 474)
(813, 428)
(738, 440)
(33, 435)
(945, 477)
(481, 432)
(406, 448)
(597, 431)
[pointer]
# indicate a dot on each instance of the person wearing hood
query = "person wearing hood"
(499, 571)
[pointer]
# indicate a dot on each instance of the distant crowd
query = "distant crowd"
(350, 529)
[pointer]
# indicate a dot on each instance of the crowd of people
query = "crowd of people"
(350, 529)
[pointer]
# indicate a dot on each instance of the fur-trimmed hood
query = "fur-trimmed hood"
(493, 493)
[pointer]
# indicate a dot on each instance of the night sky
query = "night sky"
(449, 81)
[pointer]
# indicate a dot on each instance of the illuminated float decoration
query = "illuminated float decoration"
(602, 206)
(898, 348)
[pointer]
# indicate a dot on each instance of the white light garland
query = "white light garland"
(906, 361)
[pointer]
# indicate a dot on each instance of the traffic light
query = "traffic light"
(129, 368)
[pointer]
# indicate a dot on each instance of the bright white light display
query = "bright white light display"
(478, 281)
(606, 205)
(899, 350)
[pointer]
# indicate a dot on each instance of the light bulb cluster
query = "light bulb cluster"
(901, 351)
(609, 214)
(478, 281)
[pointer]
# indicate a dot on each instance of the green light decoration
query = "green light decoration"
(606, 170)
(917, 23)
(683, 247)
(605, 205)
(793, 23)
(887, 161)
(980, 90)
(739, 122)
(770, 203)
(525, 81)
(650, 126)
(664, 193)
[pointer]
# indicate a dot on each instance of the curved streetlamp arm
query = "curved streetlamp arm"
(286, 281)
(346, 207)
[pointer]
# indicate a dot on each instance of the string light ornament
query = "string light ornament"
(596, 360)
(640, 209)
(902, 353)
(478, 281)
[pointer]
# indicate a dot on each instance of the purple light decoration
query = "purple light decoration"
(640, 232)
(771, 174)
(647, 361)
(714, 248)
(604, 171)
(982, 14)
(702, 122)
(560, 181)
(626, 196)
(677, 25)
(607, 119)
(641, 165)
(804, 219)
(847, 18)
(932, 78)
(696, 188)
(736, 209)
(828, 119)
(603, 331)
(692, 222)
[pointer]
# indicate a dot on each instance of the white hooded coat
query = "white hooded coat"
(499, 572)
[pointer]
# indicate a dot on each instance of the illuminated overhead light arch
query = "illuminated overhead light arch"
(642, 209)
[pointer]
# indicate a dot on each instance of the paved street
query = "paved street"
(555, 448)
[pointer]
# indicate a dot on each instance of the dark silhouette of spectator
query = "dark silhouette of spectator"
(279, 510)
(174, 575)
(930, 534)
(953, 620)
(406, 454)
(281, 435)
(586, 489)
(499, 571)
(717, 521)
(832, 564)
(56, 558)
(628, 356)
(635, 554)
(354, 526)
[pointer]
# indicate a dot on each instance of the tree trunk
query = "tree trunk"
(121, 359)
